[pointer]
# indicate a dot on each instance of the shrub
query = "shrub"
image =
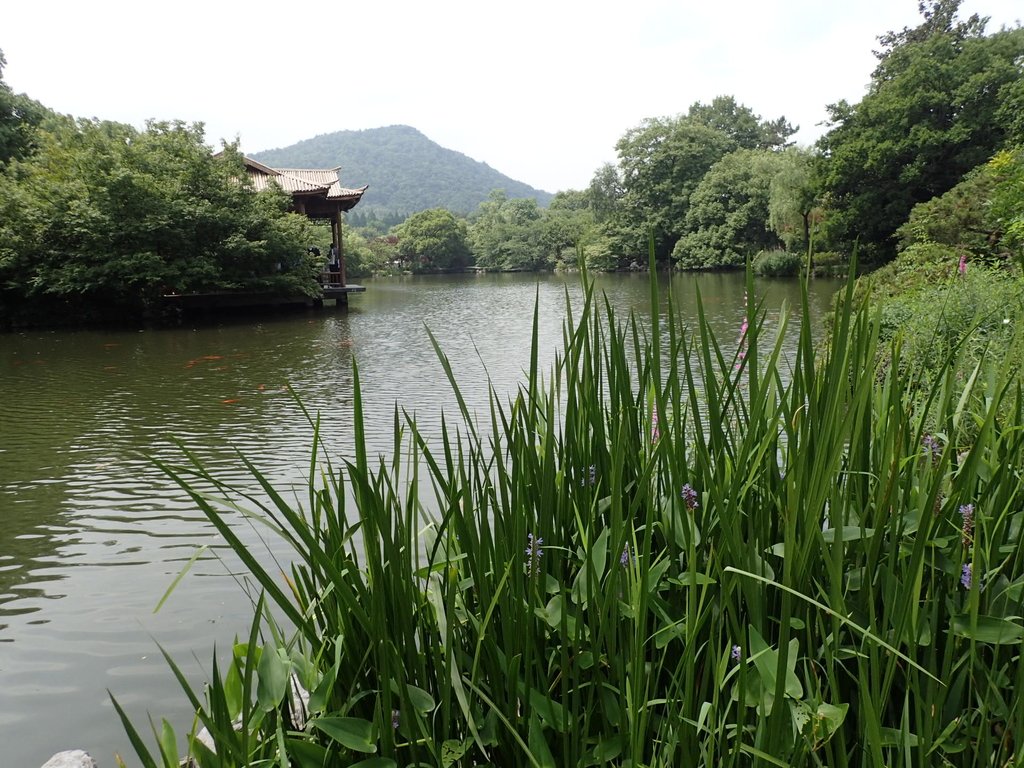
(777, 263)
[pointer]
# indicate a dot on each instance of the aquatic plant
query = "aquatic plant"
(819, 603)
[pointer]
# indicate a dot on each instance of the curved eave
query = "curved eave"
(347, 198)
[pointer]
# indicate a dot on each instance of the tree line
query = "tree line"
(719, 184)
(96, 213)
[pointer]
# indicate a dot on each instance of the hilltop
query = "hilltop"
(406, 171)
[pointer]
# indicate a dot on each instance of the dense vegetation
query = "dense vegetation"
(98, 220)
(718, 184)
(666, 552)
(715, 186)
(406, 171)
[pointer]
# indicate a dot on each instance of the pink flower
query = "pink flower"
(962, 266)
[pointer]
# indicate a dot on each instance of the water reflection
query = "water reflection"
(93, 532)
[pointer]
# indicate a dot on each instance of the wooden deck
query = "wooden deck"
(229, 300)
(333, 291)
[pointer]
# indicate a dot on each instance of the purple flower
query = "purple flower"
(967, 529)
(394, 719)
(962, 266)
(593, 474)
(966, 575)
(625, 558)
(735, 654)
(933, 446)
(534, 551)
(690, 497)
(655, 432)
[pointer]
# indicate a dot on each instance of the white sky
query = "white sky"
(538, 89)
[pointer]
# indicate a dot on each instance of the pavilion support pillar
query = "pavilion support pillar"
(336, 232)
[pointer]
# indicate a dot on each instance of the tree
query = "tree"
(19, 118)
(567, 225)
(740, 124)
(662, 161)
(728, 216)
(932, 113)
(434, 240)
(116, 217)
(792, 198)
(506, 234)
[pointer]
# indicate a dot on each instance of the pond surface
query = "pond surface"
(92, 534)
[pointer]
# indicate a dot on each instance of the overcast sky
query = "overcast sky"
(538, 89)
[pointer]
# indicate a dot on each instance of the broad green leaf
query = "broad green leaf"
(551, 712)
(306, 754)
(609, 748)
(766, 660)
(375, 762)
(692, 579)
(272, 677)
(233, 689)
(551, 614)
(679, 524)
(894, 737)
(593, 567)
(801, 715)
(987, 629)
(452, 751)
(539, 748)
(420, 699)
(829, 718)
(848, 533)
(168, 744)
(351, 732)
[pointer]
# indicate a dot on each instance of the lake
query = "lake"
(93, 534)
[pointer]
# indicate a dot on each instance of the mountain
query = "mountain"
(406, 171)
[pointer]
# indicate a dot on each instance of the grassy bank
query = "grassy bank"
(665, 551)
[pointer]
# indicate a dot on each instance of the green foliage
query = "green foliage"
(365, 257)
(508, 235)
(934, 111)
(115, 217)
(741, 125)
(433, 241)
(727, 219)
(568, 224)
(406, 171)
(1007, 201)
(663, 553)
(979, 218)
(974, 319)
(955, 289)
(20, 116)
(793, 199)
(661, 163)
(777, 263)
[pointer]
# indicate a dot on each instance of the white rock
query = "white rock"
(72, 758)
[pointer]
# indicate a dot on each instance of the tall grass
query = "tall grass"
(661, 552)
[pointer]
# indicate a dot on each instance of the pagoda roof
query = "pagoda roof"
(317, 182)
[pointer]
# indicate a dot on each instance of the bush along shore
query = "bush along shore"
(668, 550)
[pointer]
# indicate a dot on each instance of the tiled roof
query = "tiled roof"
(323, 179)
(301, 180)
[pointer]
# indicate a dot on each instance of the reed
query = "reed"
(664, 551)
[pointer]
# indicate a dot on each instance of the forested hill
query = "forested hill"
(406, 171)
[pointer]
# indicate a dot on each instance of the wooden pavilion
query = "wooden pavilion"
(318, 194)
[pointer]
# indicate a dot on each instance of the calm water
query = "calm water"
(92, 534)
